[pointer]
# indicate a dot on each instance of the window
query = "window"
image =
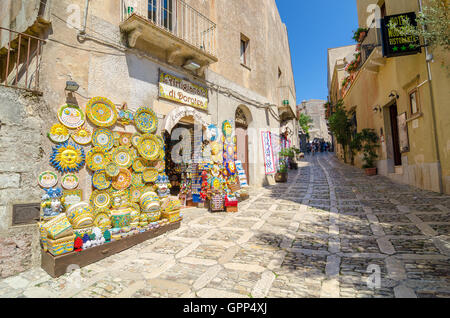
(414, 102)
(245, 50)
(161, 12)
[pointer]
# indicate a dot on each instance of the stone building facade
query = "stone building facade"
(239, 51)
(315, 109)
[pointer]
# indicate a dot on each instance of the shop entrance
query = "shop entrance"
(242, 141)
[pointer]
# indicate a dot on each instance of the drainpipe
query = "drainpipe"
(428, 59)
(86, 10)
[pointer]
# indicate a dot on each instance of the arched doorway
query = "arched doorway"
(242, 122)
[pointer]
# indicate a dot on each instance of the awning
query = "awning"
(177, 114)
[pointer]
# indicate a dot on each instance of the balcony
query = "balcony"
(171, 30)
(287, 106)
(372, 43)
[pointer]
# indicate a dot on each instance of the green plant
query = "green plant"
(360, 34)
(282, 168)
(341, 127)
(305, 122)
(368, 139)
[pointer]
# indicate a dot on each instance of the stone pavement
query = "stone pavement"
(329, 232)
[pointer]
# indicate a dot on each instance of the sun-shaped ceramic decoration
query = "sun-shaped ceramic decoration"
(67, 157)
(82, 135)
(58, 133)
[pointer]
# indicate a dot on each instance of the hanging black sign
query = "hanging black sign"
(395, 44)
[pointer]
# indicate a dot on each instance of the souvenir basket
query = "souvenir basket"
(61, 246)
(172, 216)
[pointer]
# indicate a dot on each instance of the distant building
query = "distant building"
(315, 109)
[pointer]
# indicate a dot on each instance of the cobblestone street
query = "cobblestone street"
(319, 235)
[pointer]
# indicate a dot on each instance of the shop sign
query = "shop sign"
(182, 91)
(269, 161)
(395, 44)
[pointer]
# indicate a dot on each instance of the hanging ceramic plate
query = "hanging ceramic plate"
(150, 175)
(69, 181)
(101, 112)
(145, 120)
(58, 133)
(125, 139)
(160, 166)
(136, 180)
(123, 157)
(135, 193)
(116, 136)
(135, 139)
(100, 180)
(48, 179)
(112, 169)
(96, 159)
(123, 180)
(103, 138)
(139, 164)
(67, 157)
(71, 116)
(100, 199)
(83, 135)
(148, 147)
(161, 141)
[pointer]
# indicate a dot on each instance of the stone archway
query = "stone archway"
(178, 113)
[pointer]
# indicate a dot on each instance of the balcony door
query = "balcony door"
(163, 13)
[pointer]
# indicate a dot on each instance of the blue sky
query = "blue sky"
(315, 26)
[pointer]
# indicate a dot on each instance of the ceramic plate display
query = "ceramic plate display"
(160, 166)
(150, 175)
(101, 112)
(125, 139)
(96, 159)
(103, 138)
(100, 199)
(135, 193)
(145, 120)
(72, 197)
(162, 154)
(100, 181)
(112, 169)
(137, 180)
(58, 133)
(83, 135)
(139, 164)
(135, 139)
(67, 157)
(48, 179)
(116, 136)
(102, 217)
(71, 116)
(123, 157)
(148, 147)
(123, 180)
(69, 181)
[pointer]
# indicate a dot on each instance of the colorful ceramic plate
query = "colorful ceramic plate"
(162, 154)
(150, 175)
(116, 136)
(102, 217)
(145, 120)
(67, 157)
(112, 169)
(148, 147)
(97, 159)
(101, 112)
(125, 139)
(58, 133)
(69, 181)
(135, 193)
(135, 139)
(48, 179)
(83, 135)
(123, 157)
(160, 166)
(100, 181)
(103, 138)
(139, 164)
(137, 180)
(71, 116)
(123, 180)
(100, 199)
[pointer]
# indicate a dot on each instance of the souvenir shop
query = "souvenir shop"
(136, 191)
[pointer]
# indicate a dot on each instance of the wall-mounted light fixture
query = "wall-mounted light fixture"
(394, 94)
(191, 65)
(72, 86)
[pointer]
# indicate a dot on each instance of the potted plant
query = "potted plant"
(282, 175)
(369, 143)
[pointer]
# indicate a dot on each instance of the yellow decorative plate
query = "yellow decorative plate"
(135, 193)
(137, 180)
(123, 180)
(71, 116)
(149, 147)
(112, 169)
(96, 159)
(101, 112)
(139, 164)
(103, 138)
(123, 157)
(150, 175)
(58, 133)
(135, 139)
(100, 199)
(83, 135)
(145, 120)
(100, 180)
(125, 139)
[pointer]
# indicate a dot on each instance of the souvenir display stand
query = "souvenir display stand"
(129, 201)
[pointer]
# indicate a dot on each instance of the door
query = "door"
(162, 13)
(242, 148)
(395, 135)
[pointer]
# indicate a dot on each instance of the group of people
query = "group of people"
(318, 146)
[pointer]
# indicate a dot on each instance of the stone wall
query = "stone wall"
(22, 157)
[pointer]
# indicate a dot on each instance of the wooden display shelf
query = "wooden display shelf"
(56, 266)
